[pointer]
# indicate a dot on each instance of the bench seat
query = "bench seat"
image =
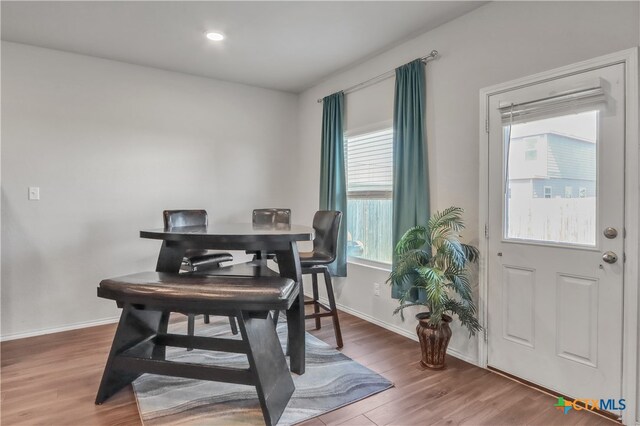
(228, 292)
(148, 298)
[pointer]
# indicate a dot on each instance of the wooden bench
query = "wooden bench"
(139, 345)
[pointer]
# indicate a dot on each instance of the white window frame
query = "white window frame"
(350, 133)
(374, 264)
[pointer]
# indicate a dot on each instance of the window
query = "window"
(531, 155)
(369, 160)
(568, 192)
(561, 208)
(582, 193)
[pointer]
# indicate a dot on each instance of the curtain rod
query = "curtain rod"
(432, 55)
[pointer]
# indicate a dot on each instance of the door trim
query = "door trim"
(631, 273)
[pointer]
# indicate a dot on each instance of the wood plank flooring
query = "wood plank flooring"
(52, 380)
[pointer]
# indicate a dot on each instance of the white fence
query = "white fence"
(369, 225)
(563, 220)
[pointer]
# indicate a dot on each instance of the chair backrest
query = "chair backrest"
(326, 223)
(271, 217)
(179, 218)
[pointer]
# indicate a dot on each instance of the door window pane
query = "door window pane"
(541, 205)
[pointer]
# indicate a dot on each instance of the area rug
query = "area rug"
(332, 380)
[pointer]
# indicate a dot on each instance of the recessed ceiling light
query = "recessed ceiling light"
(215, 36)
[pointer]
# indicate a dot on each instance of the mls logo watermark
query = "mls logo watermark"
(590, 404)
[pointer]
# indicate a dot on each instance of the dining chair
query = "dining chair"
(269, 217)
(326, 224)
(197, 260)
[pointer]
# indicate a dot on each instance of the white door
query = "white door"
(556, 198)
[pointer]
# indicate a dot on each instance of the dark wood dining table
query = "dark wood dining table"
(279, 239)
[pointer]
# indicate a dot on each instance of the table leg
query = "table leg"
(170, 260)
(289, 265)
(170, 257)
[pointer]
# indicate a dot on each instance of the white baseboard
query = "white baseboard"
(52, 330)
(396, 329)
(351, 311)
(457, 354)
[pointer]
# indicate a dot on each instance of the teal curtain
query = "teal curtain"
(410, 174)
(333, 182)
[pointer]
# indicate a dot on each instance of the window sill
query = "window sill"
(369, 264)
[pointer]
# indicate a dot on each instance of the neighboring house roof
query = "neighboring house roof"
(566, 135)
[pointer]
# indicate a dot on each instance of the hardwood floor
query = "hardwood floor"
(52, 380)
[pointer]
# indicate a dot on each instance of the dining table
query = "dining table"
(280, 239)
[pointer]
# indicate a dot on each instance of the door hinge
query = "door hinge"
(486, 231)
(486, 334)
(486, 125)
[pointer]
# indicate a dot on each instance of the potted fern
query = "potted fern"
(430, 261)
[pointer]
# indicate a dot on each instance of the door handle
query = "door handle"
(610, 257)
(610, 232)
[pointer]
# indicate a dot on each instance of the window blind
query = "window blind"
(369, 162)
(574, 101)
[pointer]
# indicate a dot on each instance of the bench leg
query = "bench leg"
(289, 265)
(266, 359)
(135, 326)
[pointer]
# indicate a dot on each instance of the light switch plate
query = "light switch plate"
(34, 193)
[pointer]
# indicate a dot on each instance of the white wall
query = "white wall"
(495, 43)
(111, 145)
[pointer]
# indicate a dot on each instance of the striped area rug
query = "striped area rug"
(332, 380)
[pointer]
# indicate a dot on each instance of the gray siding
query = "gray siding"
(570, 158)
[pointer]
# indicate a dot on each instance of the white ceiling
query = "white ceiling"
(279, 45)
